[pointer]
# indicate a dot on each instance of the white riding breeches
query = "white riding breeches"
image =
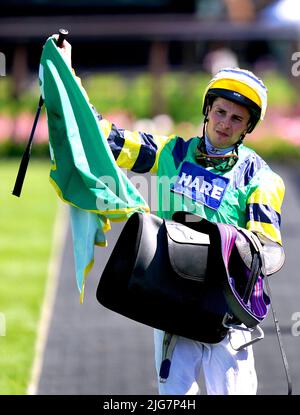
(226, 371)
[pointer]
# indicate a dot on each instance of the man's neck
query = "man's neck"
(211, 149)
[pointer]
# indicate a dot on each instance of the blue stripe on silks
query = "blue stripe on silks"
(179, 151)
(116, 141)
(147, 154)
(247, 169)
(263, 213)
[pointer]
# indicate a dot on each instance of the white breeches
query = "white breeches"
(226, 371)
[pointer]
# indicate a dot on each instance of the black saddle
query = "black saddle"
(184, 276)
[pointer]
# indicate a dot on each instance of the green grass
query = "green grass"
(26, 225)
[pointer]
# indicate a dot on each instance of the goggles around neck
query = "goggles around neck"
(222, 162)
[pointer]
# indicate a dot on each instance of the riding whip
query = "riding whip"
(26, 155)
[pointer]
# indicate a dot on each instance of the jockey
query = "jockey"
(249, 195)
(217, 177)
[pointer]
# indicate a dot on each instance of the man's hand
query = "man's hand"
(66, 51)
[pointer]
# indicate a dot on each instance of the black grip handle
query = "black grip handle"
(62, 35)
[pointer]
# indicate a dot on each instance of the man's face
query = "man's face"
(226, 122)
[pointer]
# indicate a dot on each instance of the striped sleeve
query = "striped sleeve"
(134, 150)
(264, 207)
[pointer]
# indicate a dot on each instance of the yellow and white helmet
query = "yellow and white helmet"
(242, 87)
